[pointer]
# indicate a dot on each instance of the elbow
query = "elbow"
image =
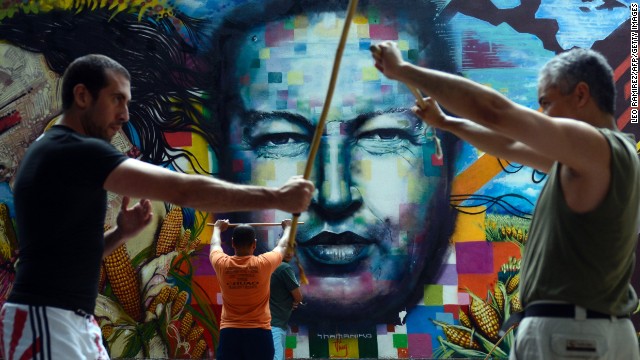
(181, 193)
(495, 114)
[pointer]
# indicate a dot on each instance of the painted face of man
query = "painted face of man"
(362, 244)
(29, 99)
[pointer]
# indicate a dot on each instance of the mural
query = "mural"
(412, 244)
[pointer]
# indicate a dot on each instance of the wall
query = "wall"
(407, 253)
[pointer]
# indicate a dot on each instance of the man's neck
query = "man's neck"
(71, 121)
(599, 119)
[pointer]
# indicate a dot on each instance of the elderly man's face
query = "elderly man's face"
(361, 244)
(29, 100)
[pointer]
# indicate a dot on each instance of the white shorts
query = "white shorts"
(49, 333)
(567, 338)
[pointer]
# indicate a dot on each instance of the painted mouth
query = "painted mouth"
(337, 249)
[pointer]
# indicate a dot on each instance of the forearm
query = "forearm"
(297, 295)
(460, 96)
(283, 243)
(113, 239)
(496, 144)
(216, 241)
(142, 180)
(216, 196)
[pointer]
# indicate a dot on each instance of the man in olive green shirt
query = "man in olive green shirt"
(284, 298)
(578, 261)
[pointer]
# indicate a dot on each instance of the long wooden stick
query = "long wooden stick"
(255, 224)
(317, 136)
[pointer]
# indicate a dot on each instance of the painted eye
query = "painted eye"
(385, 141)
(384, 134)
(277, 139)
(278, 145)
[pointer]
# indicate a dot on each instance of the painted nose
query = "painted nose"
(337, 196)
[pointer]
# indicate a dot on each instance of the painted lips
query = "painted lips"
(337, 249)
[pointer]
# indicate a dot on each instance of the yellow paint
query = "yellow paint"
(370, 73)
(476, 176)
(360, 19)
(403, 168)
(470, 227)
(265, 53)
(344, 348)
(329, 27)
(205, 235)
(365, 169)
(363, 31)
(403, 45)
(295, 78)
(263, 172)
(200, 150)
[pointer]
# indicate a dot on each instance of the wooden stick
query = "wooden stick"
(317, 136)
(256, 224)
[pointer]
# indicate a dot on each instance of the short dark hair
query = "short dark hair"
(243, 236)
(91, 71)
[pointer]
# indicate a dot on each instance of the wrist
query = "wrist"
(400, 71)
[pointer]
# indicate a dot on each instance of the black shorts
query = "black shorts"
(245, 344)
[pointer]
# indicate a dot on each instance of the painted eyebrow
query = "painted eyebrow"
(253, 117)
(362, 119)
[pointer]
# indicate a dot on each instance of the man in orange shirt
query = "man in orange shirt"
(245, 324)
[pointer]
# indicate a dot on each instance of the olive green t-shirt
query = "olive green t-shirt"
(587, 258)
(283, 282)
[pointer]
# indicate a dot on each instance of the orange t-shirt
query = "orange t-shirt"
(245, 281)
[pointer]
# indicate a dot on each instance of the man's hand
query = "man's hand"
(221, 225)
(388, 59)
(286, 223)
(431, 114)
(295, 195)
(131, 221)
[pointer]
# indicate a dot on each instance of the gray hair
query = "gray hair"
(577, 65)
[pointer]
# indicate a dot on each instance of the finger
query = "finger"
(125, 203)
(375, 51)
(147, 206)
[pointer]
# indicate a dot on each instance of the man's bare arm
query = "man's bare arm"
(283, 243)
(481, 137)
(573, 143)
(216, 240)
(142, 180)
(297, 297)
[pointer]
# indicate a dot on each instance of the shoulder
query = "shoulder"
(622, 144)
(272, 257)
(217, 254)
